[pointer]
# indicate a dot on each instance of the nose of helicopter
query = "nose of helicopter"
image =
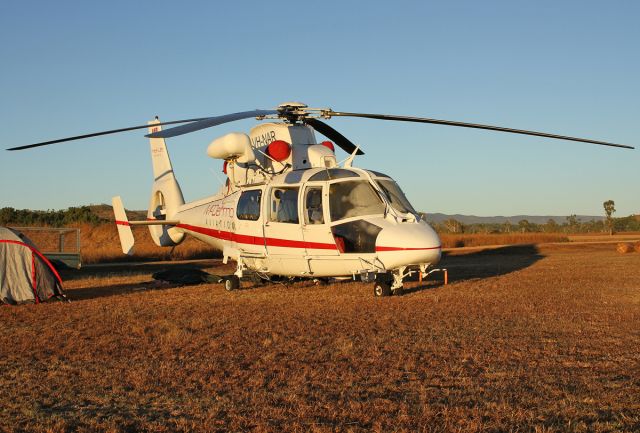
(408, 244)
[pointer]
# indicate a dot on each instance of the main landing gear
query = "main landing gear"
(390, 283)
(231, 283)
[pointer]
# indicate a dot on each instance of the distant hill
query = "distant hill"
(535, 219)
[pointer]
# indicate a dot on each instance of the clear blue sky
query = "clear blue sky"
(569, 67)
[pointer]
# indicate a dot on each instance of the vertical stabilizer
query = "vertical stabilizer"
(166, 195)
(122, 223)
(159, 155)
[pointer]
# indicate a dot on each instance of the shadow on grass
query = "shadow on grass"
(480, 264)
(115, 290)
(461, 266)
(132, 269)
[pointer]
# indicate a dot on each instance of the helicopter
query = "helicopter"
(288, 207)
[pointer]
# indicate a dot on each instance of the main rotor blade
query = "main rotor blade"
(472, 125)
(340, 140)
(209, 122)
(96, 134)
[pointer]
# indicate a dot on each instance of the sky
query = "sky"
(569, 67)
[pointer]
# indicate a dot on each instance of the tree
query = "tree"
(7, 215)
(506, 227)
(454, 226)
(572, 223)
(551, 226)
(524, 226)
(609, 209)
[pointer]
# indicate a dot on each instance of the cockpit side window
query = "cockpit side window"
(377, 173)
(353, 198)
(313, 213)
(249, 205)
(395, 195)
(284, 205)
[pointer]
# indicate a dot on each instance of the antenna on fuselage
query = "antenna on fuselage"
(217, 177)
(349, 161)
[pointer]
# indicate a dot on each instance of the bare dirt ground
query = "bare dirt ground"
(522, 339)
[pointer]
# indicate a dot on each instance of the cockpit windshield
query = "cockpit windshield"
(353, 198)
(395, 195)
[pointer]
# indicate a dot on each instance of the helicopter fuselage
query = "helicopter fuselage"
(316, 223)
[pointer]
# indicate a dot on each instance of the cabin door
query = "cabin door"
(283, 233)
(316, 231)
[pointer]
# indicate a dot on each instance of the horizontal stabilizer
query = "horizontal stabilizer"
(123, 225)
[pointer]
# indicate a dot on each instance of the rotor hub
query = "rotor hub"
(292, 112)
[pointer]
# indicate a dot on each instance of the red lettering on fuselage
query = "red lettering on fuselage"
(219, 210)
(220, 217)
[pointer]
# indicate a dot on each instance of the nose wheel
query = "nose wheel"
(381, 289)
(386, 285)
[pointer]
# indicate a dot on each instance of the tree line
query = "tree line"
(572, 224)
(51, 218)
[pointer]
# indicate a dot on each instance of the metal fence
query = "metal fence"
(57, 244)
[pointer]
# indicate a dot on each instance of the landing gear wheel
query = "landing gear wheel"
(381, 289)
(231, 283)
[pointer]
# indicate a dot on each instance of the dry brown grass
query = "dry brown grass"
(481, 239)
(521, 340)
(101, 244)
(624, 248)
(636, 247)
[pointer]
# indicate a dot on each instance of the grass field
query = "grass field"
(522, 339)
(452, 240)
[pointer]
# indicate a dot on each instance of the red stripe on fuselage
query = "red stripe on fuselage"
(282, 243)
(122, 223)
(257, 240)
(379, 249)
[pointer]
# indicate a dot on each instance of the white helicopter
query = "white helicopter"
(288, 208)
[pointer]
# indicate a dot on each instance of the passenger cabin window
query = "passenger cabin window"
(353, 198)
(249, 205)
(313, 205)
(284, 205)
